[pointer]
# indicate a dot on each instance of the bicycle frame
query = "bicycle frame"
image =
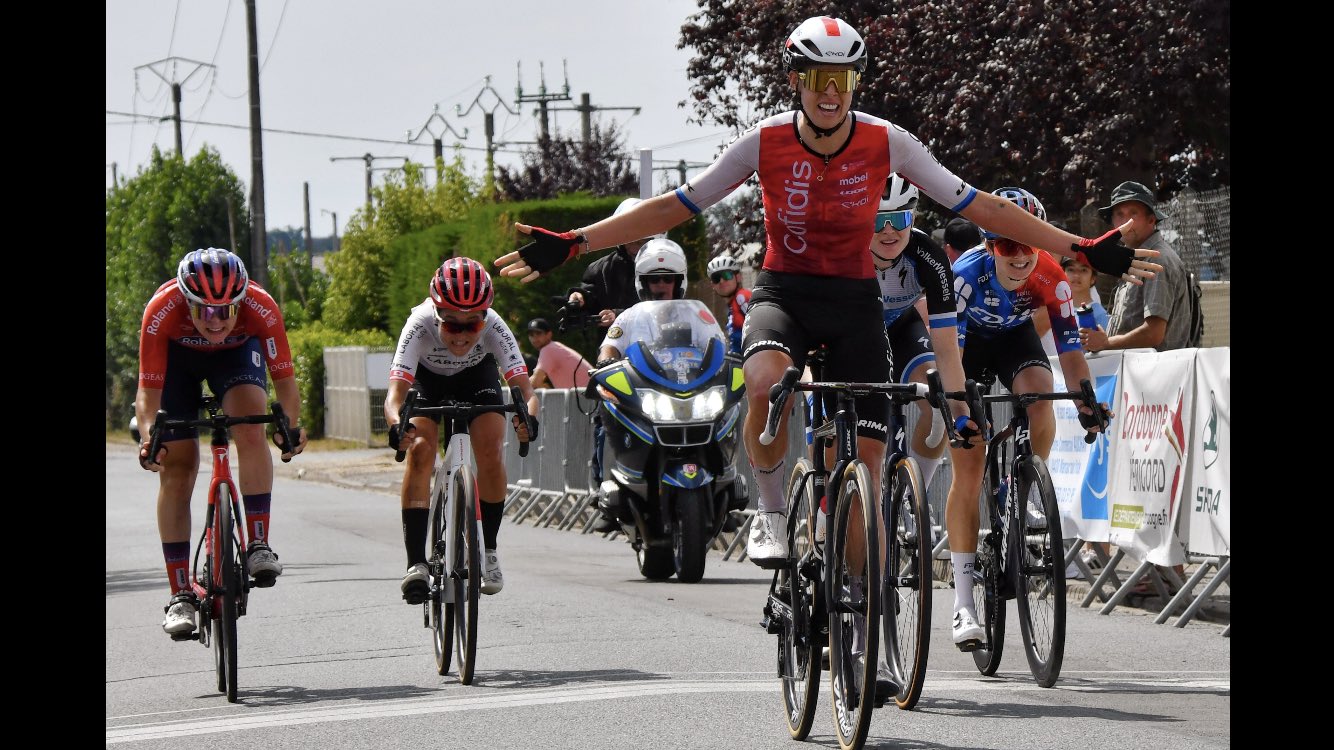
(208, 591)
(458, 455)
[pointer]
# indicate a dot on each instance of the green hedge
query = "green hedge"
(308, 344)
(488, 233)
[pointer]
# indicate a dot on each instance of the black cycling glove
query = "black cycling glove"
(532, 427)
(1089, 421)
(549, 250)
(1105, 254)
(394, 435)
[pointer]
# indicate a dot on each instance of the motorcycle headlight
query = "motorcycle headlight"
(702, 407)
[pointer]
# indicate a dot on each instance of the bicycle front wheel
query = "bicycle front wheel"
(467, 573)
(988, 584)
(798, 586)
(227, 561)
(853, 592)
(907, 603)
(1040, 577)
(442, 623)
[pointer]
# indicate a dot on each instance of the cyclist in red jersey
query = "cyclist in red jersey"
(212, 323)
(820, 168)
(725, 275)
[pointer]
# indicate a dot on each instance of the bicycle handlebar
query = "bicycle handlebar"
(971, 395)
(1085, 395)
(463, 410)
(219, 422)
(779, 392)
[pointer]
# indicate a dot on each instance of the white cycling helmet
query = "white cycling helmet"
(824, 40)
(899, 194)
(1021, 198)
(660, 257)
(628, 204)
(724, 262)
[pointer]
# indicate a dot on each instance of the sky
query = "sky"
(376, 70)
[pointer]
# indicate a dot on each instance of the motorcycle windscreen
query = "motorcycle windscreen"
(678, 343)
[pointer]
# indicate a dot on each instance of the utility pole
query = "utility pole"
(310, 243)
(370, 160)
(335, 227)
(491, 146)
(680, 166)
(542, 97)
(115, 182)
(259, 251)
(586, 111)
(171, 62)
(439, 144)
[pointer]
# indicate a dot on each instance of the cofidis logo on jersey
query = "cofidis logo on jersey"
(797, 201)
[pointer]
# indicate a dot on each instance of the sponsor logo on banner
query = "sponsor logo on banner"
(1210, 436)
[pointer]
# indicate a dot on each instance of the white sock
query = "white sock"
(963, 579)
(769, 483)
(928, 466)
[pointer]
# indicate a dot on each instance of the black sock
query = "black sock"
(492, 514)
(414, 534)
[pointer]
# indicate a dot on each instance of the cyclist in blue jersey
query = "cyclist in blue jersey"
(998, 287)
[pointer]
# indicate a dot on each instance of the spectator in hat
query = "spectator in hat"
(1157, 314)
(961, 235)
(558, 366)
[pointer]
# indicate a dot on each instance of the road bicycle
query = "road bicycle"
(830, 586)
(455, 554)
(1021, 556)
(222, 582)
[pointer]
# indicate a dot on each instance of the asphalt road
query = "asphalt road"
(579, 651)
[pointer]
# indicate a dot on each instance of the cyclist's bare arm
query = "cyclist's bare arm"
(949, 361)
(995, 214)
(525, 386)
(289, 395)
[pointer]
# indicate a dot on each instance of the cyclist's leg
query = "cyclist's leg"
(180, 398)
(481, 384)
(1024, 368)
(415, 493)
(912, 355)
(773, 341)
(962, 509)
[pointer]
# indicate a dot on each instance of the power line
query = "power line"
(171, 41)
(274, 40)
(304, 133)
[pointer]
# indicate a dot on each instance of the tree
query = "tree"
(558, 165)
(299, 287)
(1065, 99)
(153, 219)
(359, 271)
(736, 222)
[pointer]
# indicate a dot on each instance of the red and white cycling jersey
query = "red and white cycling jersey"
(819, 212)
(420, 344)
(167, 321)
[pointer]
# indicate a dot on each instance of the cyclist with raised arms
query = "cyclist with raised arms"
(998, 287)
(725, 275)
(820, 168)
(212, 323)
(454, 347)
(917, 291)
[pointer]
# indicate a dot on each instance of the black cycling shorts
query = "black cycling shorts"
(479, 384)
(794, 314)
(187, 369)
(909, 345)
(1005, 354)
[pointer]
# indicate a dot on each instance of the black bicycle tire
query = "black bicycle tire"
(468, 586)
(852, 722)
(1042, 577)
(800, 690)
(229, 555)
(908, 559)
(988, 571)
(441, 615)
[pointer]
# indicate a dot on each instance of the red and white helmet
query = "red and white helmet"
(212, 276)
(825, 40)
(461, 284)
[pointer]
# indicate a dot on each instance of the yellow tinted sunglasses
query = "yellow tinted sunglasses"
(818, 79)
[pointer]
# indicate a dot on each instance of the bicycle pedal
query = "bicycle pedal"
(193, 635)
(265, 582)
(969, 645)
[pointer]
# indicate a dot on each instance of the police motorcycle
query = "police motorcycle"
(672, 408)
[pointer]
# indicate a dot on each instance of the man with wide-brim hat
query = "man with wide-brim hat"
(1157, 314)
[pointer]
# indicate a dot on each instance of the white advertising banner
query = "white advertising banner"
(1079, 470)
(1208, 467)
(1157, 396)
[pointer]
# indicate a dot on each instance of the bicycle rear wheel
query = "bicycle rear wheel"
(1040, 574)
(227, 561)
(442, 623)
(988, 580)
(907, 602)
(853, 592)
(798, 585)
(467, 573)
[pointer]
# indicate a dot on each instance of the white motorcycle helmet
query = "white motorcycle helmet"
(630, 203)
(660, 257)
